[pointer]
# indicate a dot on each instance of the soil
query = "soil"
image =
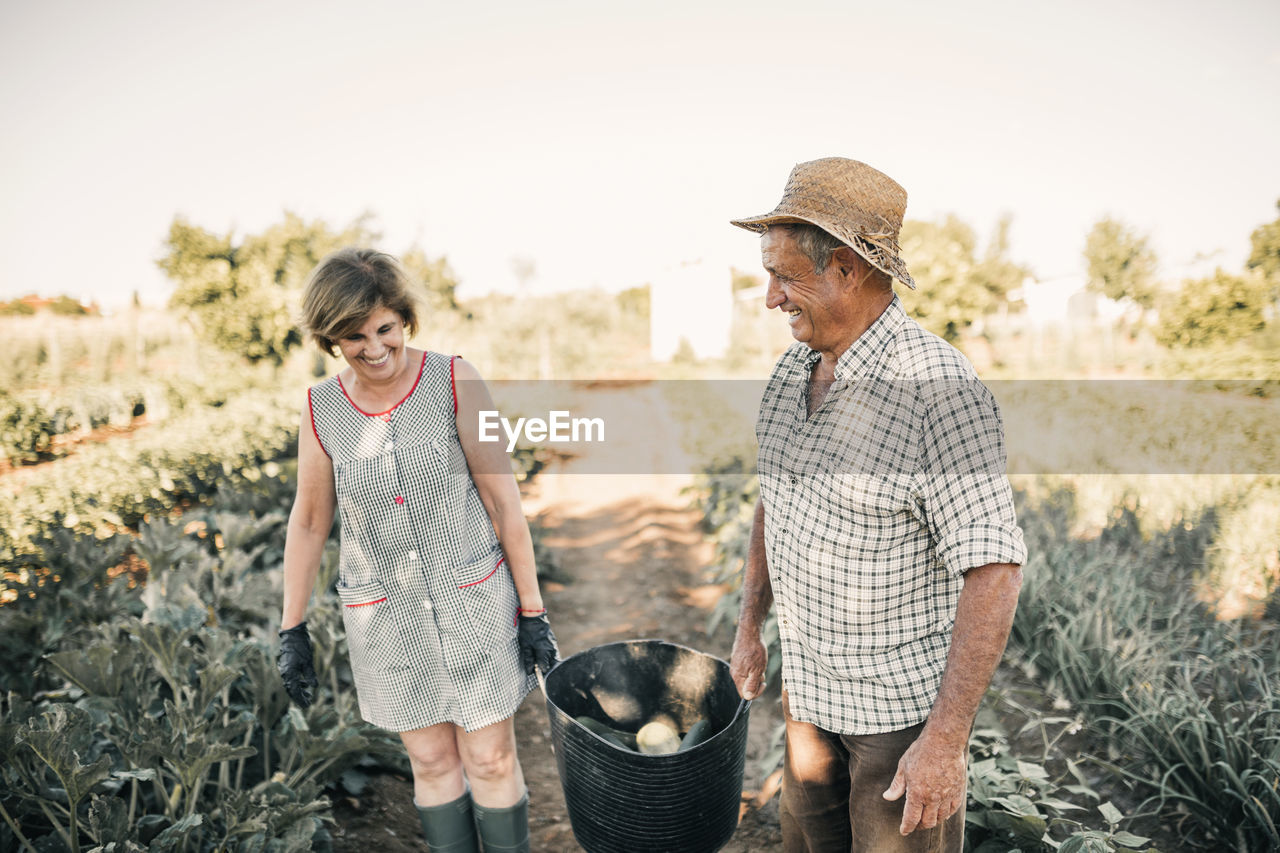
(634, 562)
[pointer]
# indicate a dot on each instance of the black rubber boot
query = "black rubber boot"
(449, 828)
(504, 830)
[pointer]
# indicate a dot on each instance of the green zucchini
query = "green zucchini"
(626, 740)
(697, 733)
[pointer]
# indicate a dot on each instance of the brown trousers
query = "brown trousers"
(832, 794)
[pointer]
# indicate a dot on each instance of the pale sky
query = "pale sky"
(609, 145)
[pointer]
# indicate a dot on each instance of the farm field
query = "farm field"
(141, 534)
(207, 202)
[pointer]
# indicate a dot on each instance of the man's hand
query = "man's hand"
(933, 776)
(932, 771)
(747, 664)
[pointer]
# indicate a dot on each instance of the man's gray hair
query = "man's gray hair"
(816, 243)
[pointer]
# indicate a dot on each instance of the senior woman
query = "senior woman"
(444, 619)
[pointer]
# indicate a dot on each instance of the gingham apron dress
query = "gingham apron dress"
(427, 598)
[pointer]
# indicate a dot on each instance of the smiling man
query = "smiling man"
(885, 534)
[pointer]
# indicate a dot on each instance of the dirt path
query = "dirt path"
(634, 557)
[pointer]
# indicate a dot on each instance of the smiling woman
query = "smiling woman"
(375, 351)
(443, 614)
(341, 305)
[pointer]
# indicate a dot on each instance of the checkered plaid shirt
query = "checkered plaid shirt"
(875, 507)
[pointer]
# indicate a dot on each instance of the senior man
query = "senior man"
(885, 534)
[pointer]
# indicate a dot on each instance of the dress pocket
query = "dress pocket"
(373, 634)
(478, 571)
(490, 596)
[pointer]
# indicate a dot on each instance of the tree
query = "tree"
(1220, 309)
(439, 287)
(1120, 263)
(68, 306)
(635, 301)
(243, 298)
(1265, 254)
(16, 308)
(955, 287)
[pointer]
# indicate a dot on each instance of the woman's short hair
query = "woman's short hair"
(346, 287)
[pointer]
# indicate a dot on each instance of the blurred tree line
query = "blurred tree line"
(243, 297)
(957, 283)
(63, 305)
(960, 283)
(1224, 309)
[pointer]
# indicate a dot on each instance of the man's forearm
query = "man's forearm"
(984, 617)
(757, 593)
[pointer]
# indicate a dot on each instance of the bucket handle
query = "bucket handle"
(542, 685)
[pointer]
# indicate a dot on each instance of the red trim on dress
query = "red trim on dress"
(312, 411)
(421, 367)
(501, 560)
(367, 603)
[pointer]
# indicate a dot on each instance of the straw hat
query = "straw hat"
(850, 200)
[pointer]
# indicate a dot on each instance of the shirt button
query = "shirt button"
(426, 604)
(390, 445)
(413, 555)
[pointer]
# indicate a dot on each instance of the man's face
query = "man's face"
(818, 304)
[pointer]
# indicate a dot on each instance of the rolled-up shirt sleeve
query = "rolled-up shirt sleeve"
(962, 485)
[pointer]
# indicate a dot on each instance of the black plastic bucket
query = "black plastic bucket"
(621, 801)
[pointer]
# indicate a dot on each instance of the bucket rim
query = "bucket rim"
(740, 710)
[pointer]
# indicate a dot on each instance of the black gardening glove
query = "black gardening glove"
(537, 643)
(294, 662)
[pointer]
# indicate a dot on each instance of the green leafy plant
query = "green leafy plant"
(1179, 701)
(1213, 755)
(107, 487)
(170, 728)
(1014, 805)
(1183, 703)
(150, 715)
(62, 739)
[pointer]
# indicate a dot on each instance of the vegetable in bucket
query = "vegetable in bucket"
(623, 800)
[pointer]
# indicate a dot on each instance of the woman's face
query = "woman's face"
(376, 350)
